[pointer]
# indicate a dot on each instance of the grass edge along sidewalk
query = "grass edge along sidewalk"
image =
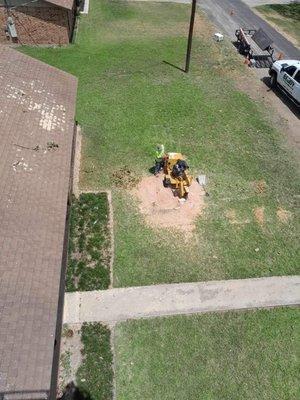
(86, 362)
(246, 355)
(236, 354)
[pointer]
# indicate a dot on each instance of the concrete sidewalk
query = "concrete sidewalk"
(115, 305)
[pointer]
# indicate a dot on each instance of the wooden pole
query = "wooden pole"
(190, 38)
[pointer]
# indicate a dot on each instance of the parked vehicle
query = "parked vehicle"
(286, 75)
(256, 45)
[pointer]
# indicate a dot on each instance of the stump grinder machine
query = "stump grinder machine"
(176, 174)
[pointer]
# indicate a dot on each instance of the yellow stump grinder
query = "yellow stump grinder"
(176, 174)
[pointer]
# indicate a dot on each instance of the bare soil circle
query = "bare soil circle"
(161, 208)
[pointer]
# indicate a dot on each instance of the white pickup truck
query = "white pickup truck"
(286, 74)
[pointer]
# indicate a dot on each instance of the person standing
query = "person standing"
(159, 158)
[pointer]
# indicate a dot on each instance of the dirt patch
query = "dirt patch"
(124, 178)
(231, 216)
(259, 214)
(283, 215)
(233, 220)
(282, 114)
(70, 356)
(162, 209)
(260, 186)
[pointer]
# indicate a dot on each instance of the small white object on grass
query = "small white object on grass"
(218, 37)
(201, 179)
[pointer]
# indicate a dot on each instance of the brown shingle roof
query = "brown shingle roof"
(62, 3)
(37, 106)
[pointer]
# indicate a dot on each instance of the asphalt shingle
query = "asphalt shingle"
(68, 4)
(37, 107)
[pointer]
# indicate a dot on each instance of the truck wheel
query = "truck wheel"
(273, 80)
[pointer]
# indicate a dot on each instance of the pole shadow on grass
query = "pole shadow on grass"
(74, 393)
(174, 66)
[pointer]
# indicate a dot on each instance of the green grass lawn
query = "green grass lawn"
(129, 100)
(89, 243)
(94, 378)
(232, 356)
(285, 16)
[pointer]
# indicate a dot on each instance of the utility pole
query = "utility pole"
(6, 6)
(190, 38)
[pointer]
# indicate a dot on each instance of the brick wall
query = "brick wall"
(39, 25)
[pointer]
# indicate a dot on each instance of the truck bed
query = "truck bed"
(263, 58)
(256, 45)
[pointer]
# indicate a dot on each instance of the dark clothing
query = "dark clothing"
(179, 168)
(159, 165)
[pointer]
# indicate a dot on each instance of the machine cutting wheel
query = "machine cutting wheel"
(176, 174)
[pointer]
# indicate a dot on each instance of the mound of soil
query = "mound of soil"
(162, 209)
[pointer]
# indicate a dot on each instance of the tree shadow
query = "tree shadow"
(74, 393)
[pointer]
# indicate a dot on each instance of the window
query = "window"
(290, 70)
(297, 77)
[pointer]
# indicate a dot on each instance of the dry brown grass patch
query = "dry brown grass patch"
(259, 214)
(283, 215)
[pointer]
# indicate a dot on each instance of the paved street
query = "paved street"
(228, 15)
